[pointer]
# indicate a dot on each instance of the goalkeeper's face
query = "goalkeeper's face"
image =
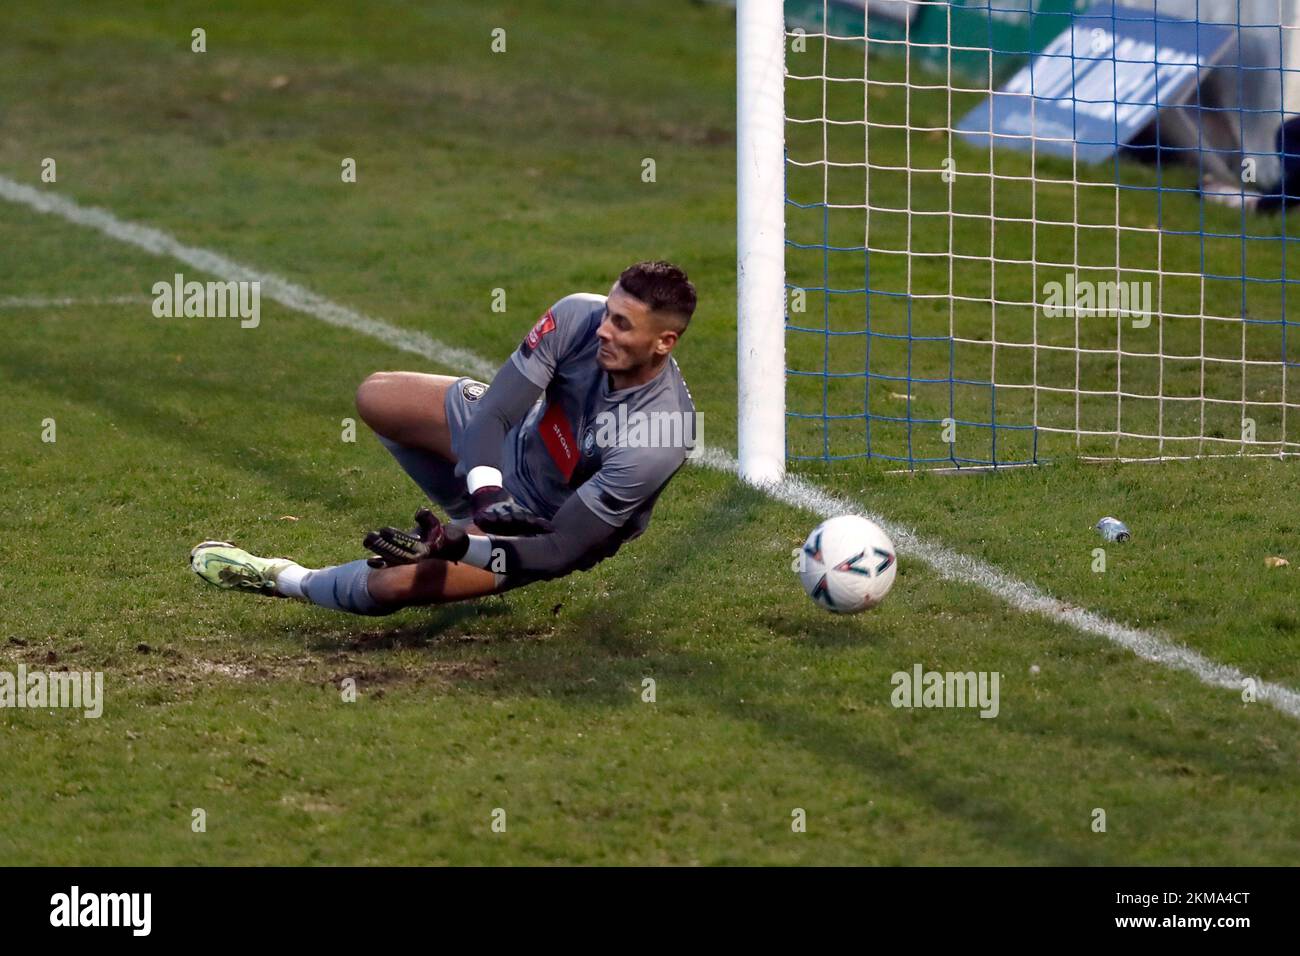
(632, 336)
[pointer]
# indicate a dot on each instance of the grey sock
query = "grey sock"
(437, 478)
(343, 588)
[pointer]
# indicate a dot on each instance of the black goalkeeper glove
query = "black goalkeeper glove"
(430, 538)
(495, 512)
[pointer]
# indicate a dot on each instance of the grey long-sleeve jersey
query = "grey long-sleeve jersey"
(590, 459)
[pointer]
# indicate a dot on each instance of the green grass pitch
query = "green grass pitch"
(522, 171)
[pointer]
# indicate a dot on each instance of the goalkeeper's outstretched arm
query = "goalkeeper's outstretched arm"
(502, 406)
(579, 540)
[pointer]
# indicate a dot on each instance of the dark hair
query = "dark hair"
(661, 286)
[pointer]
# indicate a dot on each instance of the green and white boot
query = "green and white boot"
(223, 565)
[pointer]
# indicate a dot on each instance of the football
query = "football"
(848, 564)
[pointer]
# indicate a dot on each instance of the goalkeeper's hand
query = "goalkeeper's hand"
(429, 539)
(495, 512)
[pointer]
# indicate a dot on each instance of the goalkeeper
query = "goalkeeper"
(547, 471)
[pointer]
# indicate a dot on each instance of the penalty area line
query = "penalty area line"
(62, 302)
(796, 492)
(274, 287)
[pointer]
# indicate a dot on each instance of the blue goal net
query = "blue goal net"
(1029, 230)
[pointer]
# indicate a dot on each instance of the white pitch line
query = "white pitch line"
(948, 564)
(36, 302)
(288, 294)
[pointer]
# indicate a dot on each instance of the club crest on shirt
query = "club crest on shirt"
(544, 326)
(473, 391)
(589, 440)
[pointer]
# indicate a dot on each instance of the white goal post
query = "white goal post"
(760, 239)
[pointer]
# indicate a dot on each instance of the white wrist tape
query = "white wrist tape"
(480, 551)
(483, 476)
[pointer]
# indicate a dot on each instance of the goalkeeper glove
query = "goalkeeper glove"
(430, 538)
(495, 512)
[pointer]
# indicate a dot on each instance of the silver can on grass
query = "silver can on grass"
(1112, 529)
